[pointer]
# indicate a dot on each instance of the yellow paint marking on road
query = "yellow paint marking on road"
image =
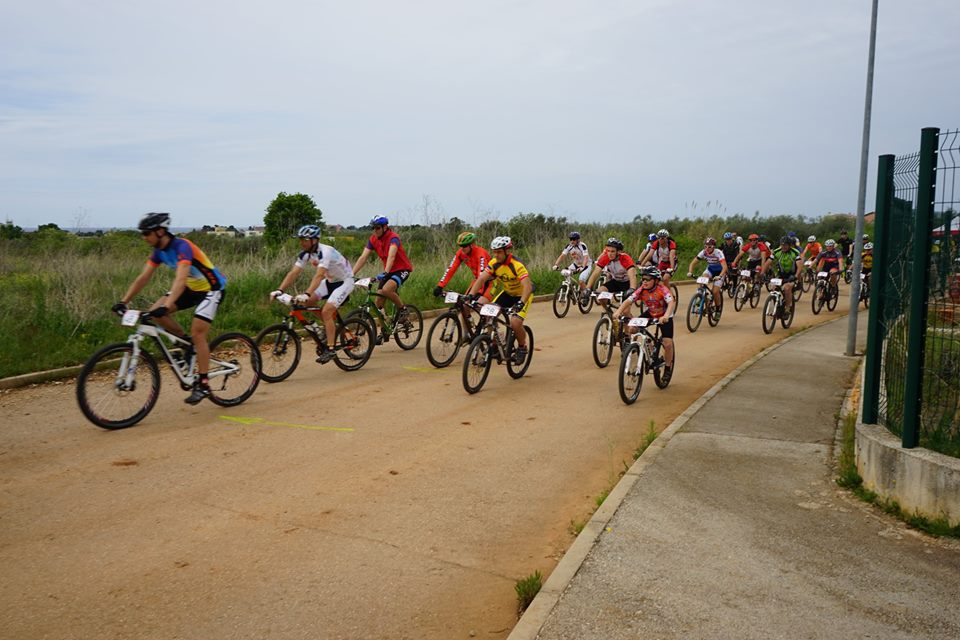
(270, 423)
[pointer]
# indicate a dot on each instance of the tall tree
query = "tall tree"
(287, 213)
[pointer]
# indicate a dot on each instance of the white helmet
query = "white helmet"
(829, 243)
(812, 239)
(502, 242)
(868, 246)
(663, 233)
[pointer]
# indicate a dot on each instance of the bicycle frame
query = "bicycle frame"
(650, 344)
(369, 306)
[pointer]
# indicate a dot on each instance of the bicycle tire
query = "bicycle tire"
(816, 302)
(695, 312)
(797, 292)
(847, 276)
(448, 331)
(769, 315)
(714, 314)
(367, 317)
(658, 371)
(239, 350)
(676, 293)
(280, 352)
(561, 300)
(786, 317)
(516, 371)
(97, 389)
(630, 378)
(754, 296)
(834, 297)
(603, 341)
(865, 295)
(356, 339)
(476, 364)
(408, 329)
(740, 296)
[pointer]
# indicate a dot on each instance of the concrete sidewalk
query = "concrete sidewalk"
(736, 529)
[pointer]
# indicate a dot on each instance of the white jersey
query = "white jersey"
(578, 254)
(715, 257)
(338, 268)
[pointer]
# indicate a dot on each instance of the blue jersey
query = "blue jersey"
(203, 275)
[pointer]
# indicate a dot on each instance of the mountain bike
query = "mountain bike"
(824, 293)
(865, 290)
(607, 331)
(447, 333)
(775, 307)
(586, 297)
(120, 383)
(730, 286)
(495, 340)
(748, 290)
(702, 304)
(808, 278)
(848, 273)
(569, 290)
(280, 348)
(642, 356)
(404, 325)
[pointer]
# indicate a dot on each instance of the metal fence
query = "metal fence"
(912, 376)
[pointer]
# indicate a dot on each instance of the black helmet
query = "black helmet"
(574, 235)
(786, 240)
(154, 220)
(615, 243)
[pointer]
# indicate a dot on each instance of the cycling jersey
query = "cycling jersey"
(616, 268)
(655, 300)
(756, 251)
(578, 253)
(510, 273)
(381, 246)
(866, 261)
(730, 251)
(338, 268)
(830, 258)
(661, 254)
(203, 275)
(786, 261)
(477, 261)
(715, 257)
(845, 245)
(814, 249)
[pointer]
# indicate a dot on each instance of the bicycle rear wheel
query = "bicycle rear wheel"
(659, 377)
(754, 296)
(713, 315)
(769, 316)
(561, 300)
(408, 328)
(740, 296)
(603, 341)
(280, 348)
(114, 393)
(476, 364)
(695, 312)
(675, 292)
(630, 379)
(234, 369)
(443, 339)
(786, 317)
(355, 342)
(517, 370)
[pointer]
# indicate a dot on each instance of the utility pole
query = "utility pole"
(861, 198)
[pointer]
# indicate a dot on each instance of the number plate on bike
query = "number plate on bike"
(745, 273)
(564, 272)
(863, 276)
(639, 322)
(822, 274)
(808, 263)
(451, 297)
(362, 282)
(703, 280)
(130, 318)
(490, 310)
(776, 282)
(605, 295)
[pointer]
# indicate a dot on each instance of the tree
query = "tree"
(287, 213)
(10, 231)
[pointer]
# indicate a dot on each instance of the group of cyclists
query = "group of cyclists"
(498, 277)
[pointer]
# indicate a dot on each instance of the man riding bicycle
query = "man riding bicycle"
(831, 261)
(579, 256)
(755, 251)
(845, 245)
(659, 304)
(786, 260)
(619, 266)
(396, 266)
(716, 267)
(196, 283)
(476, 258)
(664, 256)
(647, 252)
(516, 289)
(332, 282)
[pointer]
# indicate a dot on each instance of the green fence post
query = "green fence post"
(916, 337)
(875, 333)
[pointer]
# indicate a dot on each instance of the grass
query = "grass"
(648, 439)
(527, 589)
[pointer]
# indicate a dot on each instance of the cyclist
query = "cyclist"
(812, 249)
(664, 256)
(396, 266)
(786, 260)
(763, 241)
(659, 303)
(477, 259)
(516, 289)
(831, 261)
(647, 251)
(846, 245)
(866, 262)
(197, 283)
(716, 267)
(755, 252)
(577, 252)
(730, 250)
(619, 266)
(332, 282)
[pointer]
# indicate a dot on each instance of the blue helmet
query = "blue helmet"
(727, 236)
(379, 221)
(309, 231)
(651, 237)
(574, 235)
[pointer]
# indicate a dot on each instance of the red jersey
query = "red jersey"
(477, 261)
(654, 300)
(381, 246)
(616, 268)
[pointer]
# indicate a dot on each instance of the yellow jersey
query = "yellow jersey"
(510, 274)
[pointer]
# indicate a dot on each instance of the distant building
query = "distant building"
(251, 231)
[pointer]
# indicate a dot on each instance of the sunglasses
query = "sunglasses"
(647, 279)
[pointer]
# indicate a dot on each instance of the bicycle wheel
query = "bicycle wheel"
(713, 315)
(816, 302)
(630, 379)
(603, 341)
(834, 296)
(280, 348)
(584, 303)
(695, 312)
(561, 300)
(676, 292)
(443, 339)
(356, 339)
(797, 292)
(408, 327)
(807, 281)
(517, 370)
(740, 296)
(786, 317)
(755, 295)
(234, 369)
(847, 276)
(659, 378)
(476, 364)
(112, 392)
(769, 316)
(865, 295)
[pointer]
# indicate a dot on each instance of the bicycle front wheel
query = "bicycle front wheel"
(630, 378)
(517, 370)
(234, 369)
(816, 302)
(755, 296)
(769, 315)
(676, 293)
(713, 315)
(476, 365)
(659, 373)
(834, 293)
(561, 300)
(280, 348)
(355, 341)
(740, 296)
(603, 341)
(695, 312)
(113, 391)
(409, 327)
(786, 316)
(443, 339)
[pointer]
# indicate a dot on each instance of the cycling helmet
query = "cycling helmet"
(865, 237)
(574, 235)
(844, 232)
(791, 234)
(651, 272)
(753, 236)
(763, 238)
(812, 239)
(663, 233)
(466, 238)
(502, 242)
(154, 220)
(868, 246)
(309, 231)
(786, 240)
(829, 243)
(615, 243)
(379, 221)
(651, 237)
(728, 236)
(710, 241)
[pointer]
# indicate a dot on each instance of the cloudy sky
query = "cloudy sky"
(596, 110)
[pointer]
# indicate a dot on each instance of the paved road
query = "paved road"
(380, 503)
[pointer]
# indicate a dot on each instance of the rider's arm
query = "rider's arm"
(671, 308)
(290, 278)
(139, 283)
(594, 276)
(693, 263)
(723, 270)
(362, 260)
(624, 307)
(452, 269)
(481, 280)
(673, 258)
(632, 276)
(556, 263)
(179, 283)
(318, 277)
(736, 260)
(391, 257)
(527, 290)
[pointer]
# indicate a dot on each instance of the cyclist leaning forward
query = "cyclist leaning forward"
(755, 252)
(716, 267)
(476, 258)
(197, 283)
(579, 256)
(396, 266)
(664, 255)
(786, 260)
(659, 304)
(516, 289)
(620, 267)
(332, 282)
(831, 261)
